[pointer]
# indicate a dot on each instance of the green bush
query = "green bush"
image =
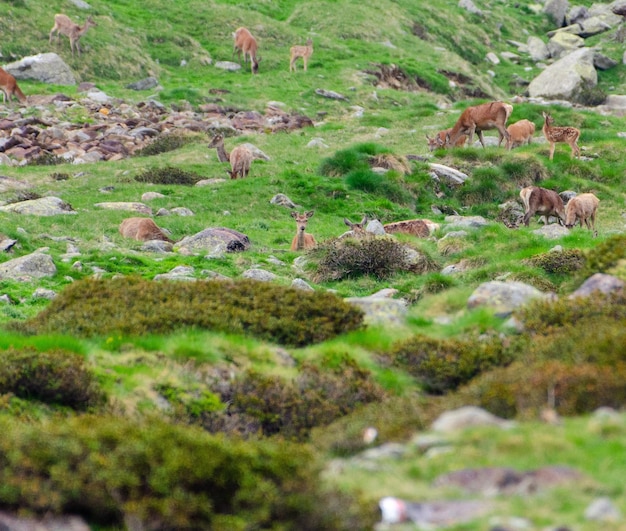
(379, 257)
(605, 256)
(316, 397)
(55, 377)
(162, 144)
(565, 261)
(523, 390)
(169, 175)
(124, 473)
(354, 158)
(132, 306)
(442, 365)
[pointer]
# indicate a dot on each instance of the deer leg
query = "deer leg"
(480, 137)
(552, 146)
(304, 59)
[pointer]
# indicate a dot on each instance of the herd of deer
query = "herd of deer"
(476, 119)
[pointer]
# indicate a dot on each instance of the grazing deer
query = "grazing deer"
(554, 134)
(493, 115)
(142, 229)
(543, 202)
(300, 51)
(9, 88)
(520, 133)
(64, 25)
(439, 140)
(582, 207)
(240, 161)
(218, 143)
(246, 43)
(302, 240)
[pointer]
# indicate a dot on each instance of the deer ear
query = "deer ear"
(347, 222)
(364, 220)
(310, 214)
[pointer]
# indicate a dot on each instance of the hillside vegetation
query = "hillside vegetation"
(140, 403)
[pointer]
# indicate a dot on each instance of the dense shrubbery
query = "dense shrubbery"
(316, 397)
(169, 175)
(565, 261)
(162, 144)
(441, 365)
(159, 476)
(524, 389)
(55, 377)
(605, 256)
(379, 257)
(133, 306)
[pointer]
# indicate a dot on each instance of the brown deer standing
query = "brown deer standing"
(493, 115)
(302, 240)
(246, 43)
(568, 135)
(541, 201)
(240, 158)
(64, 25)
(9, 88)
(520, 133)
(300, 51)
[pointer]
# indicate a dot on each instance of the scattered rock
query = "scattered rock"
(467, 417)
(599, 282)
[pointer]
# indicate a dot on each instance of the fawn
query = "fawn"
(302, 240)
(64, 25)
(554, 134)
(300, 51)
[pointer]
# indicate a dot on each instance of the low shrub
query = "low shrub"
(169, 175)
(317, 397)
(163, 144)
(349, 258)
(133, 306)
(523, 390)
(55, 377)
(605, 256)
(139, 475)
(442, 365)
(352, 159)
(48, 159)
(561, 262)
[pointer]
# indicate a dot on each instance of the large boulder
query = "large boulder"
(44, 67)
(213, 241)
(44, 206)
(564, 43)
(25, 268)
(504, 297)
(565, 78)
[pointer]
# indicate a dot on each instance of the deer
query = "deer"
(520, 133)
(300, 51)
(64, 25)
(541, 201)
(246, 43)
(553, 134)
(302, 240)
(142, 229)
(9, 88)
(582, 207)
(439, 140)
(493, 115)
(240, 158)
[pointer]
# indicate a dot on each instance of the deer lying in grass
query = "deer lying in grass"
(553, 134)
(300, 51)
(302, 240)
(520, 133)
(240, 158)
(245, 43)
(439, 140)
(582, 207)
(64, 25)
(543, 202)
(415, 227)
(493, 115)
(142, 229)
(9, 88)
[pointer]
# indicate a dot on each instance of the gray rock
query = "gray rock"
(504, 297)
(317, 143)
(259, 274)
(450, 175)
(10, 522)
(184, 273)
(213, 240)
(80, 4)
(553, 231)
(25, 268)
(556, 9)
(44, 206)
(603, 510)
(563, 43)
(375, 227)
(330, 94)
(44, 67)
(150, 196)
(600, 282)
(564, 78)
(432, 514)
(283, 200)
(131, 206)
(602, 62)
(462, 222)
(157, 246)
(43, 293)
(537, 49)
(227, 65)
(182, 211)
(298, 283)
(469, 6)
(381, 311)
(467, 417)
(143, 84)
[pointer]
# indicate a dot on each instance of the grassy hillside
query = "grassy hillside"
(179, 384)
